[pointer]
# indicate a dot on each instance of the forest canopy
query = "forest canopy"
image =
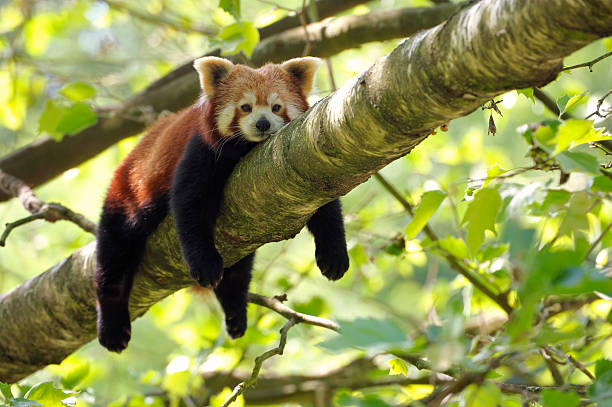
(473, 161)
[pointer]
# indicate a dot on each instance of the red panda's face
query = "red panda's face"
(255, 103)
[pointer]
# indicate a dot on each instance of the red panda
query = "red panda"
(182, 165)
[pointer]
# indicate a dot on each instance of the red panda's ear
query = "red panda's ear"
(304, 70)
(211, 70)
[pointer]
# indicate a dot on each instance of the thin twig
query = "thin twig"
(596, 242)
(239, 389)
(277, 306)
(599, 103)
(12, 225)
(580, 367)
(589, 64)
(51, 212)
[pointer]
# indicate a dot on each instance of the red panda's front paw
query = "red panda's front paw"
(209, 272)
(332, 263)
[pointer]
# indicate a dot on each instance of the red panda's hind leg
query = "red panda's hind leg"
(232, 294)
(120, 246)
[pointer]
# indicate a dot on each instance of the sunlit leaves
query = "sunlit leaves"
(239, 37)
(572, 133)
(231, 6)
(527, 92)
(565, 102)
(485, 395)
(397, 367)
(430, 201)
(78, 91)
(58, 119)
(602, 184)
(49, 396)
(480, 216)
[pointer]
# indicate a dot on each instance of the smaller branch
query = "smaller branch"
(12, 225)
(599, 103)
(275, 305)
(596, 242)
(580, 367)
(51, 212)
(589, 64)
(239, 389)
(551, 363)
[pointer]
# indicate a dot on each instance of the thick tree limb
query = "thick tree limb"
(45, 158)
(433, 77)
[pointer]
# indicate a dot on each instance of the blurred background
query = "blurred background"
(75, 59)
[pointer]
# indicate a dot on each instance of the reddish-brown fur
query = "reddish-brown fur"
(147, 171)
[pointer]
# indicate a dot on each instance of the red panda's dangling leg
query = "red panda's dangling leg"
(327, 227)
(232, 294)
(120, 246)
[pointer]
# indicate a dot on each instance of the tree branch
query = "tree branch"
(379, 116)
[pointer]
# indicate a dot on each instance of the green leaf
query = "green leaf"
(367, 333)
(578, 162)
(602, 183)
(454, 246)
(562, 103)
(398, 367)
(492, 251)
(601, 390)
(343, 398)
(573, 100)
(493, 172)
(480, 216)
(430, 202)
(231, 6)
(5, 389)
(47, 394)
(177, 383)
(527, 92)
(485, 395)
(77, 117)
(574, 132)
(77, 91)
(238, 37)
(50, 118)
(602, 367)
(75, 375)
(395, 248)
(555, 398)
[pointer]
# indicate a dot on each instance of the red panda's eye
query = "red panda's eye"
(276, 108)
(246, 107)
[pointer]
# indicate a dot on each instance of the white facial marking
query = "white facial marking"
(293, 111)
(225, 118)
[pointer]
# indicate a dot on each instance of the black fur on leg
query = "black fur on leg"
(327, 227)
(195, 195)
(120, 247)
(232, 294)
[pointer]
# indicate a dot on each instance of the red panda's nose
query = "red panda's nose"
(262, 124)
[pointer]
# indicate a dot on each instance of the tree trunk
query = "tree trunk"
(383, 113)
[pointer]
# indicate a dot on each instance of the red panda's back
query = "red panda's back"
(146, 173)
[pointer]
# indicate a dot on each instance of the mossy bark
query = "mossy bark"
(379, 116)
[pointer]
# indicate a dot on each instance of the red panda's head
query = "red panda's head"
(255, 103)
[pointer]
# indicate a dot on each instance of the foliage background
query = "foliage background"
(399, 294)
